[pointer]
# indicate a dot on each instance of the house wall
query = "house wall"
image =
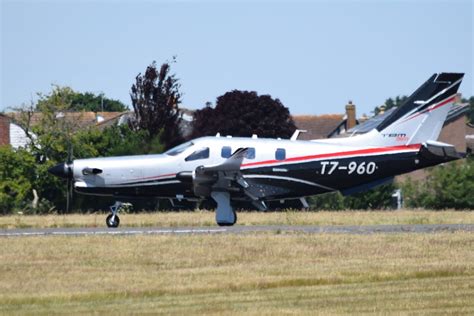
(470, 139)
(455, 133)
(4, 130)
(18, 136)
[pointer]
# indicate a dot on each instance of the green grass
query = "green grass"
(207, 218)
(239, 274)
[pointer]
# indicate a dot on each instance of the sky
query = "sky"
(313, 56)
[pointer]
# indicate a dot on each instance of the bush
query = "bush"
(447, 186)
(17, 176)
(377, 198)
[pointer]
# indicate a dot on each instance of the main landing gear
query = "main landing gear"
(225, 213)
(113, 220)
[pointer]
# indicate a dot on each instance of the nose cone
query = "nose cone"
(62, 170)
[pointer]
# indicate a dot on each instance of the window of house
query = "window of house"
(226, 152)
(202, 153)
(280, 154)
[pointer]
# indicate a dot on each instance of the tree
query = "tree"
(243, 113)
(116, 141)
(89, 101)
(52, 132)
(77, 101)
(470, 115)
(51, 137)
(155, 99)
(447, 186)
(16, 178)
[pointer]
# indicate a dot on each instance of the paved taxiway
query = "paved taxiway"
(373, 229)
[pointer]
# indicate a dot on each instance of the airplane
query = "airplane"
(229, 170)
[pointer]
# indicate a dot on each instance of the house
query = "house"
(326, 125)
(12, 133)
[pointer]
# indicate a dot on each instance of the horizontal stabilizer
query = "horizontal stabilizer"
(434, 151)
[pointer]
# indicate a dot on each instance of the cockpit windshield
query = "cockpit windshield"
(179, 149)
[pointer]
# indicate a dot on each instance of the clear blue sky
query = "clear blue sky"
(313, 56)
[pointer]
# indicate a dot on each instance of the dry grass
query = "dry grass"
(205, 218)
(235, 274)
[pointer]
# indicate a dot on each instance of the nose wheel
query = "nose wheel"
(113, 221)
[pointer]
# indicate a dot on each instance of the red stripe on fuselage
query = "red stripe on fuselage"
(337, 154)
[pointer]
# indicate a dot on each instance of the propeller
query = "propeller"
(65, 170)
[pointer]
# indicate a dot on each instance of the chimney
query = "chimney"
(4, 130)
(351, 115)
(381, 109)
(458, 99)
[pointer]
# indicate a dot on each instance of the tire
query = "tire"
(112, 223)
(229, 224)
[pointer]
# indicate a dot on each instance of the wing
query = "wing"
(226, 177)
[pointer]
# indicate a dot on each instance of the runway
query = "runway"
(276, 229)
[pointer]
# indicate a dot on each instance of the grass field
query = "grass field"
(232, 274)
(206, 218)
(263, 273)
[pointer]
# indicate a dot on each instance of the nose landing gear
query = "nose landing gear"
(113, 220)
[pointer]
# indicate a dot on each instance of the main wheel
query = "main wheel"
(112, 221)
(229, 224)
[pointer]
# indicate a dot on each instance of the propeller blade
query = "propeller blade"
(69, 153)
(69, 195)
(70, 180)
(68, 202)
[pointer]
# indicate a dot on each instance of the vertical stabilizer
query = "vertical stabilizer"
(418, 120)
(422, 116)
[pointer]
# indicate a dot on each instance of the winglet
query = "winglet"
(230, 164)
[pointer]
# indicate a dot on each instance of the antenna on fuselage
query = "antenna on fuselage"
(297, 133)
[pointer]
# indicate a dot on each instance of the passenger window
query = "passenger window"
(202, 153)
(250, 153)
(226, 152)
(280, 154)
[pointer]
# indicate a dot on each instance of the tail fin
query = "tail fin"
(418, 120)
(422, 116)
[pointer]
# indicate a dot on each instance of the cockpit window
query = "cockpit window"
(179, 149)
(202, 153)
